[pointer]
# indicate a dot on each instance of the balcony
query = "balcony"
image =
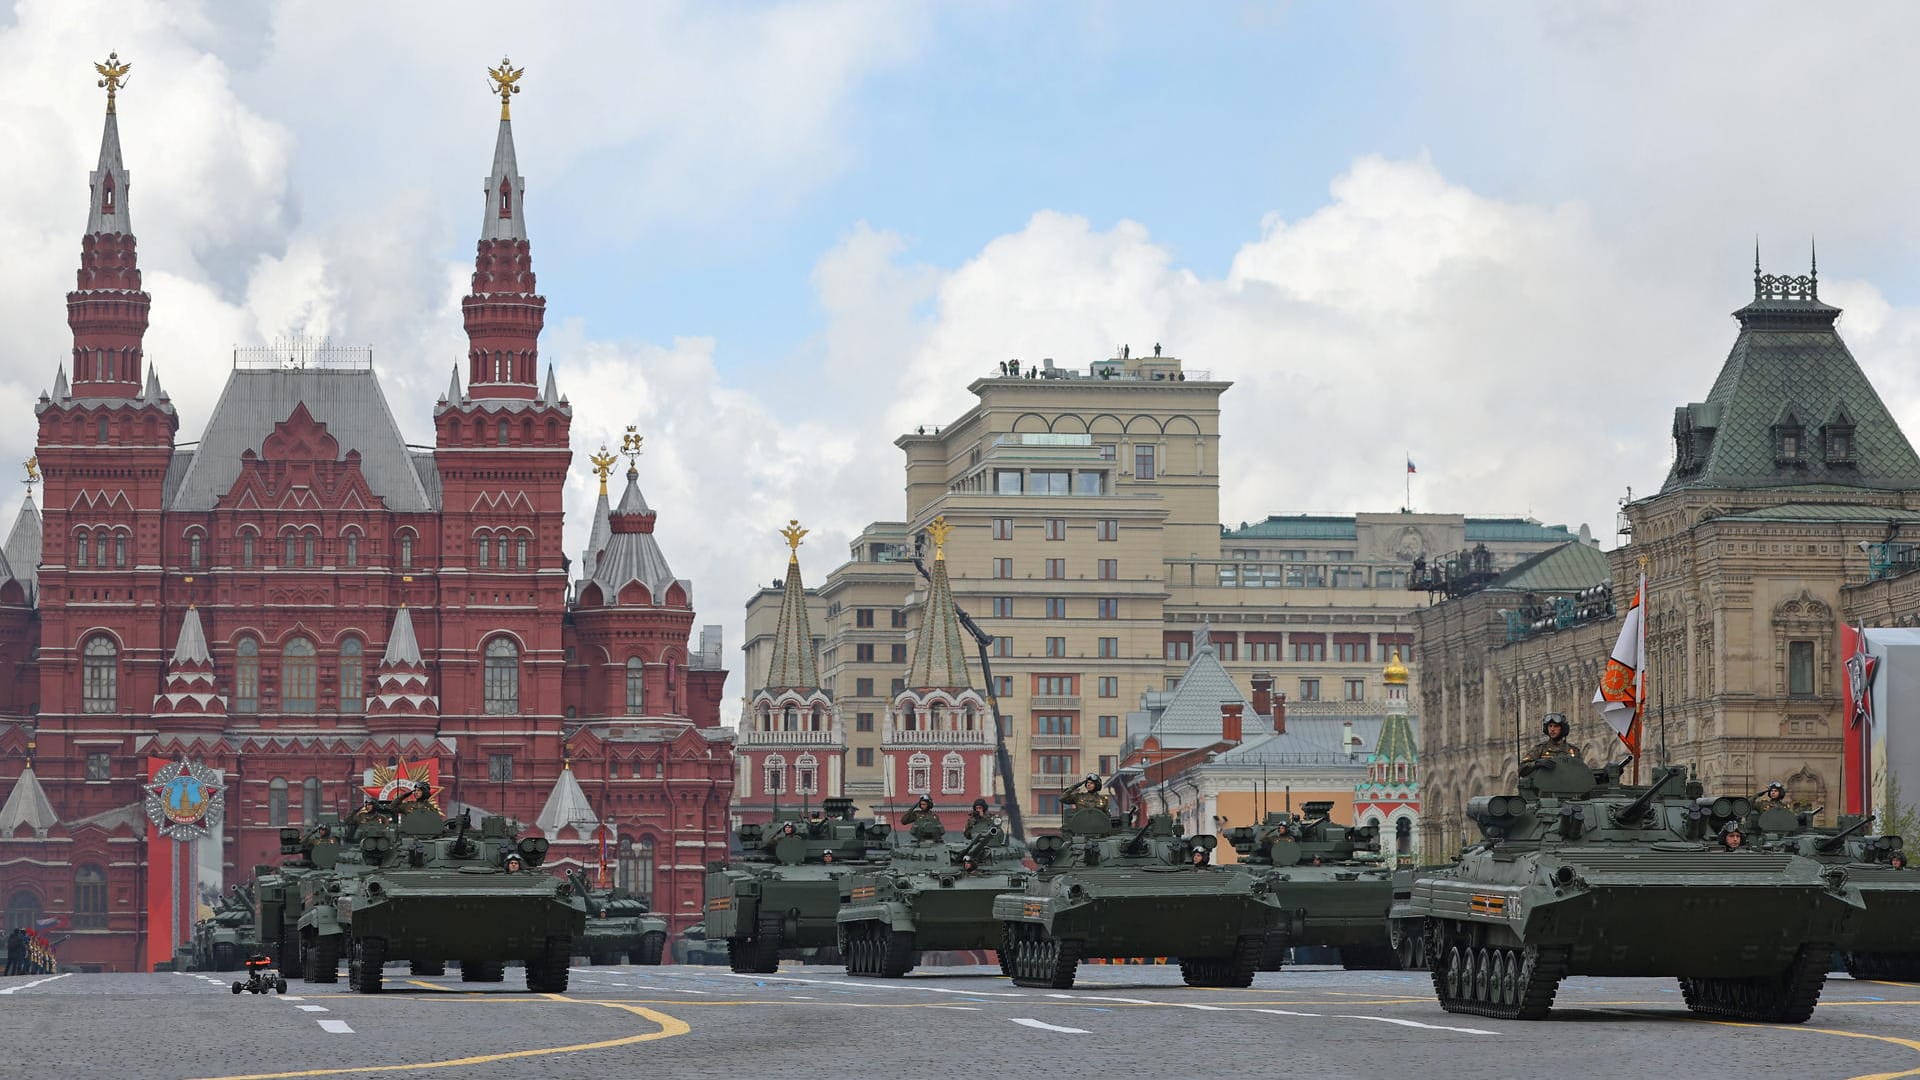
(1047, 783)
(791, 738)
(1053, 742)
(1054, 701)
(939, 737)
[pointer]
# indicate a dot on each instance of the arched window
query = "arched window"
(277, 801)
(806, 773)
(246, 676)
(101, 431)
(311, 541)
(195, 543)
(310, 801)
(502, 677)
(23, 910)
(80, 547)
(89, 898)
(406, 549)
(953, 774)
(506, 199)
(119, 548)
(502, 433)
(483, 546)
(246, 547)
(919, 775)
(297, 680)
(106, 194)
(636, 687)
(520, 552)
(353, 687)
(1402, 836)
(775, 781)
(636, 867)
(100, 675)
(790, 718)
(353, 548)
(102, 551)
(290, 545)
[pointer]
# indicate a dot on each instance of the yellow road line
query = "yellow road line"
(1910, 1044)
(669, 1027)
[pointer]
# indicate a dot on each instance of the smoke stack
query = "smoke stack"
(1230, 721)
(1263, 693)
(1279, 714)
(1347, 738)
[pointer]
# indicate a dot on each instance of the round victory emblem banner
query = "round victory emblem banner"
(185, 800)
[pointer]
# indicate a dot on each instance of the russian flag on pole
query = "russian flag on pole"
(1622, 695)
(1410, 468)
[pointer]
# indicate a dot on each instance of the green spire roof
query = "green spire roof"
(1791, 406)
(940, 652)
(792, 665)
(1396, 741)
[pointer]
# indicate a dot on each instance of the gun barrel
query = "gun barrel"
(1637, 809)
(1832, 843)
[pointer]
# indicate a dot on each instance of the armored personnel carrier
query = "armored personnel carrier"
(1886, 941)
(932, 893)
(223, 941)
(618, 925)
(277, 903)
(693, 947)
(783, 890)
(1583, 874)
(1104, 890)
(1329, 880)
(409, 885)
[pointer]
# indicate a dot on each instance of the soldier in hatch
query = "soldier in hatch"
(1731, 838)
(922, 808)
(1774, 795)
(1546, 753)
(977, 819)
(1085, 794)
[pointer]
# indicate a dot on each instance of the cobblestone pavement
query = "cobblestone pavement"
(1128, 1022)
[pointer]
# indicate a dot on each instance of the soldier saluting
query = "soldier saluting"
(1555, 745)
(921, 808)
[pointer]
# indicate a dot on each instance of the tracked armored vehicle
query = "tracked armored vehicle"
(782, 892)
(618, 925)
(1105, 890)
(933, 893)
(224, 940)
(1886, 942)
(1329, 880)
(693, 947)
(277, 902)
(409, 885)
(1583, 874)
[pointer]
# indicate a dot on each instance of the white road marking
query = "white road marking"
(284, 997)
(962, 1008)
(904, 984)
(1417, 1024)
(1285, 1012)
(1028, 1022)
(311, 1008)
(36, 982)
(337, 1027)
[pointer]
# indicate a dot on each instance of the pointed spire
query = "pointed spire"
(598, 534)
(792, 664)
(109, 181)
(23, 549)
(633, 503)
(1813, 272)
(551, 394)
(939, 652)
(60, 391)
(503, 312)
(503, 220)
(107, 310)
(27, 804)
(152, 394)
(567, 807)
(192, 645)
(453, 387)
(402, 646)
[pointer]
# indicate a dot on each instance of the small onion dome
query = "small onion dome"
(1396, 672)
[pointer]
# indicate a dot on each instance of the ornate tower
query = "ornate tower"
(107, 309)
(938, 741)
(503, 313)
(791, 747)
(1390, 794)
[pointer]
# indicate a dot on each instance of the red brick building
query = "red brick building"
(301, 598)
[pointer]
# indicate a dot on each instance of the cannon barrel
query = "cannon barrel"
(978, 846)
(1832, 843)
(1631, 813)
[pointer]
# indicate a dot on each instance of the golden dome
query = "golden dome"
(1396, 672)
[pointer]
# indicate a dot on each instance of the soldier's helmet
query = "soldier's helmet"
(980, 805)
(1552, 718)
(1776, 790)
(925, 803)
(1731, 837)
(1093, 781)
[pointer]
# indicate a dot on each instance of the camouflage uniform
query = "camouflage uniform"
(1548, 748)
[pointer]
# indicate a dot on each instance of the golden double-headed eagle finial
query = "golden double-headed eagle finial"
(603, 464)
(793, 532)
(113, 75)
(938, 529)
(506, 83)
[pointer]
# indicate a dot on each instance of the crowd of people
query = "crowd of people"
(29, 953)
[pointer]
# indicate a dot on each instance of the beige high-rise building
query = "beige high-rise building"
(1086, 540)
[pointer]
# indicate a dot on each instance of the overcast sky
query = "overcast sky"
(1502, 238)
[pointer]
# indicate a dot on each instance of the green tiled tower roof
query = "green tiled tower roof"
(940, 652)
(792, 665)
(1791, 406)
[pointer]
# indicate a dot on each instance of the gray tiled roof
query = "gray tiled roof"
(348, 402)
(27, 804)
(1788, 361)
(121, 220)
(940, 648)
(23, 549)
(792, 664)
(1193, 707)
(631, 556)
(514, 225)
(1567, 568)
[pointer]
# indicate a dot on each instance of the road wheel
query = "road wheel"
(548, 972)
(324, 957)
(652, 947)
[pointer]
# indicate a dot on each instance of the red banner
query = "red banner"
(163, 862)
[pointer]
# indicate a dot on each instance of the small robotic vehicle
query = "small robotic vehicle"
(262, 977)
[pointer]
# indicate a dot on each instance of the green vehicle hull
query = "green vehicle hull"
(782, 893)
(926, 900)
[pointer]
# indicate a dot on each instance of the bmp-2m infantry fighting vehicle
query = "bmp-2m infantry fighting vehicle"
(618, 925)
(1886, 940)
(277, 902)
(1582, 874)
(1328, 879)
(223, 940)
(1104, 890)
(932, 894)
(783, 890)
(409, 885)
